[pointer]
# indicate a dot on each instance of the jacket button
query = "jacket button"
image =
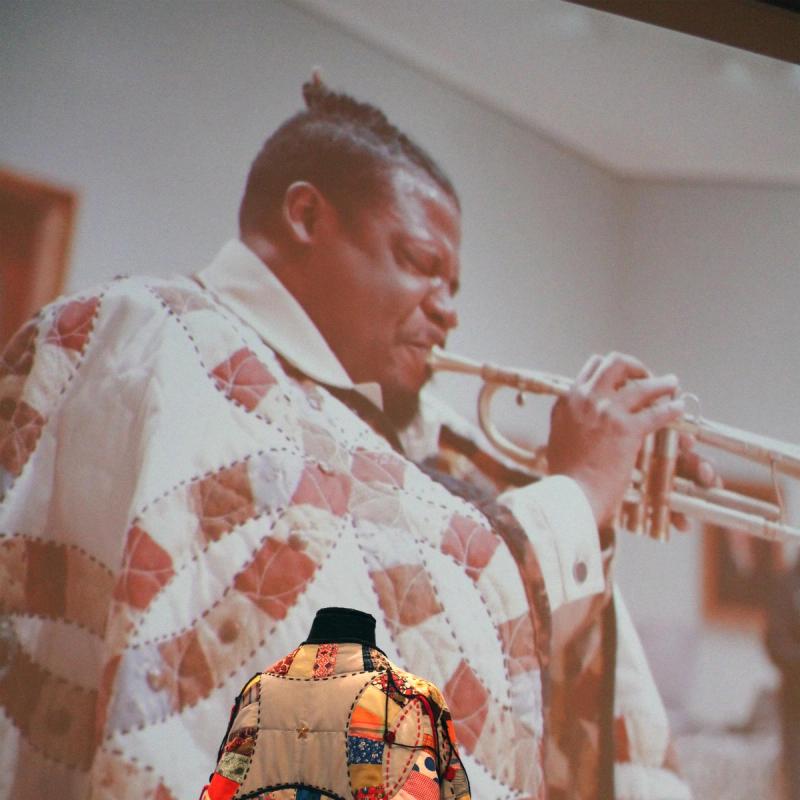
(156, 680)
(580, 571)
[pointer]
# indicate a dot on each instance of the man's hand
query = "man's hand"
(596, 431)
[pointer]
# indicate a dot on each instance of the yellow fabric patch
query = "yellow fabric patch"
(303, 664)
(362, 775)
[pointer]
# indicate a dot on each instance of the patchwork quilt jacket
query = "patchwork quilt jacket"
(175, 504)
(338, 721)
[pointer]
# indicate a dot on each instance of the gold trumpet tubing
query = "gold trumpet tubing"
(708, 512)
(714, 494)
(519, 454)
(724, 497)
(523, 380)
(659, 482)
(740, 521)
(633, 516)
(773, 453)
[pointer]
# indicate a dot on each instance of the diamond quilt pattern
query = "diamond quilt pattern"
(319, 474)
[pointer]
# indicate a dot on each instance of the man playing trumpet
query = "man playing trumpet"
(271, 451)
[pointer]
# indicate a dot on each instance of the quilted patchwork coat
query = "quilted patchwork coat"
(339, 721)
(175, 505)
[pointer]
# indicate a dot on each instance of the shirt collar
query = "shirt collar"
(246, 286)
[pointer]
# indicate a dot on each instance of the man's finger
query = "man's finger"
(615, 370)
(697, 469)
(660, 415)
(680, 522)
(640, 393)
(589, 368)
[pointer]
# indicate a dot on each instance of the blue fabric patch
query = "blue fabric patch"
(364, 751)
(303, 793)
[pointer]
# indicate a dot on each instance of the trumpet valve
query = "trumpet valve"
(633, 515)
(659, 483)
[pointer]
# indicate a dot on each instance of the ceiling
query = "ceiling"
(639, 100)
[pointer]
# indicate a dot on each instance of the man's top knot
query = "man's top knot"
(322, 102)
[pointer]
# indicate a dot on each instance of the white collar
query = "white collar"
(246, 286)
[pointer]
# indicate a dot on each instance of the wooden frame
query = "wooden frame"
(739, 570)
(36, 229)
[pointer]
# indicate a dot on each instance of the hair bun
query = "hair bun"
(315, 92)
(321, 101)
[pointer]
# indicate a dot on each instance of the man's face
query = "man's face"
(389, 283)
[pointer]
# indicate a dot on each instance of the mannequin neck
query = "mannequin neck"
(342, 625)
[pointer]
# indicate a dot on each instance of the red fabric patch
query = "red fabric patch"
(147, 567)
(281, 667)
(187, 673)
(275, 578)
(20, 428)
(518, 640)
(73, 324)
(469, 543)
(21, 689)
(221, 788)
(378, 468)
(622, 745)
(318, 488)
(46, 584)
(243, 378)
(421, 787)
(325, 660)
(468, 701)
(56, 716)
(223, 501)
(17, 359)
(405, 594)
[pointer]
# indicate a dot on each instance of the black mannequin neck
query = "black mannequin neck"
(342, 625)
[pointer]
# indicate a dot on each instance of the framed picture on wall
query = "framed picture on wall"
(37, 220)
(739, 569)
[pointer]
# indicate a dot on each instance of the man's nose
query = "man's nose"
(440, 307)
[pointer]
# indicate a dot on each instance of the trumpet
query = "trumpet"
(655, 491)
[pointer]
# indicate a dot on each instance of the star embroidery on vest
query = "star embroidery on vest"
(302, 731)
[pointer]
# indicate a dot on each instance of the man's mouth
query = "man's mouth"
(427, 343)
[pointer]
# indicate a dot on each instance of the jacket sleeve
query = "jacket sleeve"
(237, 747)
(454, 783)
(447, 768)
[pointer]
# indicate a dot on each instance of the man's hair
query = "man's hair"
(346, 148)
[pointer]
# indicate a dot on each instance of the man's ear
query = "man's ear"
(305, 212)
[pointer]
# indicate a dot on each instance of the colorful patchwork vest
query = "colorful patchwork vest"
(338, 721)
